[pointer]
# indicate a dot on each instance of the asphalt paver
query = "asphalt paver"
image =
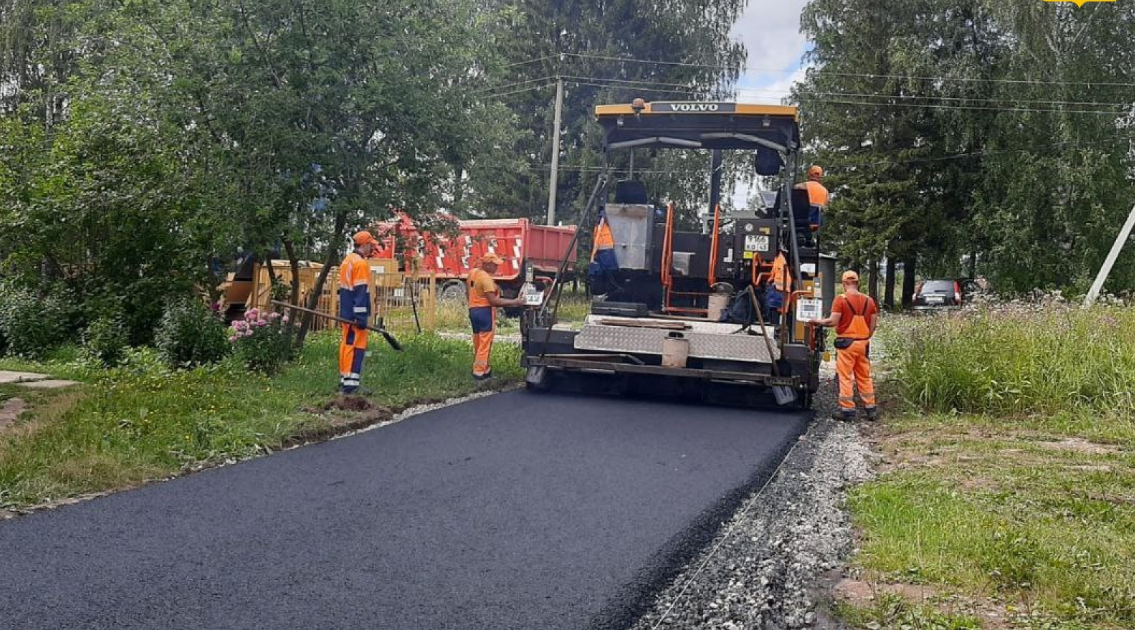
(517, 510)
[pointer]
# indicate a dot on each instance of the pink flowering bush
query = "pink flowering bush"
(262, 341)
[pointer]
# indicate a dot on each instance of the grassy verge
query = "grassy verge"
(1008, 483)
(142, 421)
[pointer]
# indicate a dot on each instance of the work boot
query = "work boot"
(844, 416)
(483, 377)
(872, 414)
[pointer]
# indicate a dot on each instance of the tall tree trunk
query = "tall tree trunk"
(873, 279)
(889, 289)
(329, 261)
(973, 264)
(272, 278)
(908, 265)
(294, 262)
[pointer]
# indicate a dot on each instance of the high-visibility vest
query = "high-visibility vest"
(781, 276)
(604, 239)
(354, 287)
(817, 194)
(856, 326)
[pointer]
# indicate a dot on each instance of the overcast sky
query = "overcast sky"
(770, 30)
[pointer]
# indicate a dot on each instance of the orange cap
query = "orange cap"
(491, 258)
(815, 171)
(364, 237)
(850, 276)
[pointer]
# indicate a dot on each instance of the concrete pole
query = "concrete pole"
(1101, 277)
(554, 181)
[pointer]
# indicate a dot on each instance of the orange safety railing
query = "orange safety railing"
(668, 246)
(713, 246)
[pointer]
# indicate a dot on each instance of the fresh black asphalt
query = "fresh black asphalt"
(511, 511)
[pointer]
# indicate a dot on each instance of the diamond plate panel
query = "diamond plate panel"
(703, 345)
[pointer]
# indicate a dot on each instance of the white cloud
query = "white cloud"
(774, 91)
(770, 30)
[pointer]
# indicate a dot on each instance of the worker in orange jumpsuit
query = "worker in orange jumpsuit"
(484, 299)
(354, 305)
(817, 196)
(854, 317)
(779, 289)
(604, 262)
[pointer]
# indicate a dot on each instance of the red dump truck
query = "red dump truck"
(517, 241)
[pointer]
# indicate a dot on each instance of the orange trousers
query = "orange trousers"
(352, 352)
(484, 322)
(854, 370)
(482, 350)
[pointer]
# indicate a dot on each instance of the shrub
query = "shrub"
(106, 339)
(262, 341)
(32, 325)
(190, 334)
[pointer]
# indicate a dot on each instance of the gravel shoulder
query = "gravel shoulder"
(772, 564)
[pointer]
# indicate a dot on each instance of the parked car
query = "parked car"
(939, 293)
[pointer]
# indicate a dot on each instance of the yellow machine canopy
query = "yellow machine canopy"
(700, 125)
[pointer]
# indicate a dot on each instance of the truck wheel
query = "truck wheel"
(452, 291)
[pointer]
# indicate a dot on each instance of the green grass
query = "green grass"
(893, 611)
(1009, 474)
(142, 421)
(1020, 361)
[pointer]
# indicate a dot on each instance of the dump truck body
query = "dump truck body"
(518, 242)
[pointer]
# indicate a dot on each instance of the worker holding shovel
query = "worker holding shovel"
(354, 306)
(484, 299)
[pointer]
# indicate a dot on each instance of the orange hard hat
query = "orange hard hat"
(850, 276)
(492, 258)
(815, 171)
(364, 237)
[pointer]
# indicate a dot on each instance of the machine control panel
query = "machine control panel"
(756, 238)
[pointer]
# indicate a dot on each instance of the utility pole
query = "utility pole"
(555, 178)
(1101, 277)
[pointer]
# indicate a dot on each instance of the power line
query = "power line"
(856, 74)
(947, 98)
(522, 90)
(977, 108)
(683, 64)
(641, 89)
(530, 61)
(508, 85)
(684, 86)
(977, 79)
(627, 85)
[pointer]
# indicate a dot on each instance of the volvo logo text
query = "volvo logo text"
(695, 107)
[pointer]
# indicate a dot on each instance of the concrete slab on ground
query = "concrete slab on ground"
(7, 377)
(47, 384)
(10, 411)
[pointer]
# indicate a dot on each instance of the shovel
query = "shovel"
(382, 331)
(783, 394)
